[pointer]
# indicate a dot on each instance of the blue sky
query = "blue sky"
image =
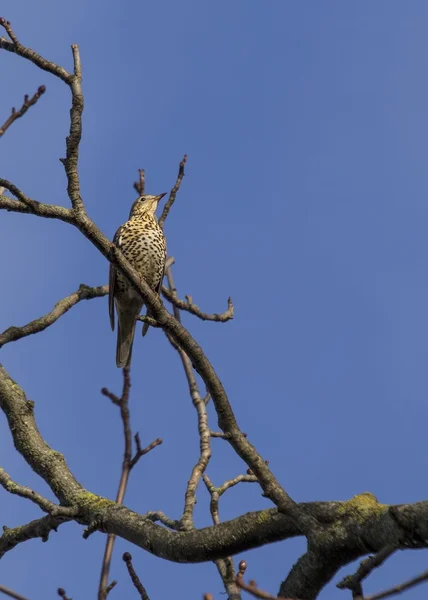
(306, 126)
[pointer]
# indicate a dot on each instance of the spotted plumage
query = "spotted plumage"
(143, 243)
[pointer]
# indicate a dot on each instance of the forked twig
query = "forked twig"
(16, 114)
(128, 464)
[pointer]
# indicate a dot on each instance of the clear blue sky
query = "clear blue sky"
(305, 199)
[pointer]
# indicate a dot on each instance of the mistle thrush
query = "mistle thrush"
(143, 243)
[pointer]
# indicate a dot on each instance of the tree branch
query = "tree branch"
(25, 492)
(27, 205)
(173, 192)
(40, 528)
(189, 306)
(134, 577)
(128, 463)
(12, 334)
(398, 589)
(353, 582)
(7, 592)
(140, 185)
(78, 217)
(16, 114)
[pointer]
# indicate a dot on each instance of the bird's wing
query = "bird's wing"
(112, 280)
(111, 283)
(158, 290)
(159, 287)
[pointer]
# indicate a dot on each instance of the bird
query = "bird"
(142, 242)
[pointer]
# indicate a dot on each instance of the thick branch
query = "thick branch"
(349, 529)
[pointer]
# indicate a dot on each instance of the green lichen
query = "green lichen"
(90, 501)
(361, 507)
(264, 515)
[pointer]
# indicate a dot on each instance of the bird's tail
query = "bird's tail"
(146, 325)
(125, 339)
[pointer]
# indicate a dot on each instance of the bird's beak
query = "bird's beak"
(159, 198)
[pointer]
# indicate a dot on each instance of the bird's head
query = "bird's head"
(145, 205)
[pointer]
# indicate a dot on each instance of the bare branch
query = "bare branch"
(25, 492)
(189, 306)
(16, 47)
(353, 582)
(398, 589)
(40, 528)
(7, 592)
(158, 515)
(128, 463)
(173, 192)
(74, 81)
(63, 594)
(12, 334)
(16, 114)
(134, 577)
(142, 451)
(203, 428)
(73, 140)
(140, 185)
(149, 320)
(251, 587)
(27, 205)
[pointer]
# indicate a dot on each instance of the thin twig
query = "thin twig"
(63, 594)
(128, 464)
(12, 334)
(149, 320)
(351, 582)
(398, 589)
(203, 428)
(173, 192)
(251, 587)
(158, 515)
(225, 566)
(189, 306)
(7, 592)
(16, 114)
(134, 577)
